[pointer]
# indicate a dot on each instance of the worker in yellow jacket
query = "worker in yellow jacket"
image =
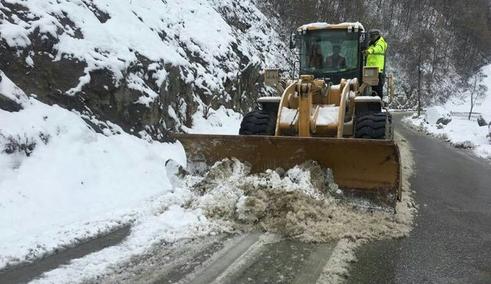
(376, 58)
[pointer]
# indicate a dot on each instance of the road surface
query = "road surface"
(451, 242)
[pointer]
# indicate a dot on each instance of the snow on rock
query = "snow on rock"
(110, 34)
(141, 57)
(9, 90)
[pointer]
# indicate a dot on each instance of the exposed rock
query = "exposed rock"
(8, 104)
(142, 95)
(444, 120)
(481, 121)
(464, 145)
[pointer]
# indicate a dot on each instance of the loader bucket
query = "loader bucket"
(370, 167)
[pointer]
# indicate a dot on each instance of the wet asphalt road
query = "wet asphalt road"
(451, 242)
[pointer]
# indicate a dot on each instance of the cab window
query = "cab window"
(328, 51)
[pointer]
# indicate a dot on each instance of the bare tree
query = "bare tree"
(477, 90)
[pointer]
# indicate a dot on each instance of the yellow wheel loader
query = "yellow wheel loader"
(328, 114)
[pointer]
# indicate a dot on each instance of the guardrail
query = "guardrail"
(463, 114)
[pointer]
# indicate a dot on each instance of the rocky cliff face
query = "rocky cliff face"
(145, 65)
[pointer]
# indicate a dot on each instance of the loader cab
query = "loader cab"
(331, 52)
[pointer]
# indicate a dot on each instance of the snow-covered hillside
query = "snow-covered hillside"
(141, 64)
(111, 34)
(450, 121)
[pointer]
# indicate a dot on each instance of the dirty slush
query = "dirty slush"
(302, 203)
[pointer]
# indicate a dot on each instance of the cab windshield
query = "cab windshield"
(328, 51)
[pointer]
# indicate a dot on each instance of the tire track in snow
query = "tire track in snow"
(25, 272)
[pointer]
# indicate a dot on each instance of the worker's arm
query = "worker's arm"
(378, 48)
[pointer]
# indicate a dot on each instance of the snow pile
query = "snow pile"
(450, 122)
(220, 121)
(62, 182)
(301, 203)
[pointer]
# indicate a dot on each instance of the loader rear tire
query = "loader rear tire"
(258, 122)
(374, 126)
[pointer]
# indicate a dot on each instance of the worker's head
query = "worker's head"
(336, 49)
(374, 34)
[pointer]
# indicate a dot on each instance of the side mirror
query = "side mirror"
(292, 41)
(364, 40)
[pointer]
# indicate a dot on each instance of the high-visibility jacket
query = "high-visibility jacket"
(376, 54)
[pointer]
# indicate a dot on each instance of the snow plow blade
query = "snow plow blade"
(365, 166)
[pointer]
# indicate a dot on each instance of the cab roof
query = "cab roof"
(326, 26)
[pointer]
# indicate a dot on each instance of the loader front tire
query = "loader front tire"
(374, 126)
(258, 122)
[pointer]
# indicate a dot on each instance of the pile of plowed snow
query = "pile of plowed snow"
(302, 203)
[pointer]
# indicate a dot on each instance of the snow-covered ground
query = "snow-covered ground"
(300, 203)
(61, 182)
(460, 131)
